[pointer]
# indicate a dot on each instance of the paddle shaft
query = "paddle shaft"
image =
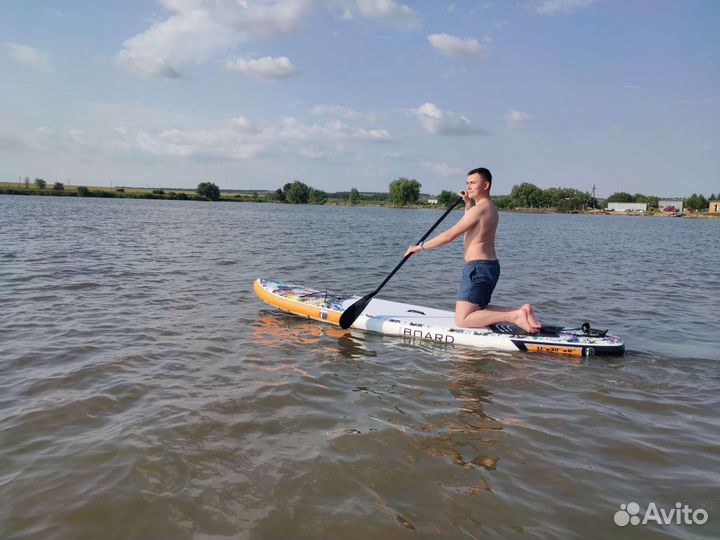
(349, 316)
(406, 257)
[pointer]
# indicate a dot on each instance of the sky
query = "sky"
(623, 95)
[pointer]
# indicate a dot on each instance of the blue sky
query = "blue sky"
(355, 93)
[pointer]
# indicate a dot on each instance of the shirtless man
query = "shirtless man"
(482, 268)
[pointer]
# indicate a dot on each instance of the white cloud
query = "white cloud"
(517, 119)
(225, 143)
(372, 135)
(198, 31)
(77, 135)
(126, 132)
(292, 129)
(443, 169)
(454, 46)
(241, 123)
(201, 30)
(30, 56)
(264, 68)
(438, 122)
(240, 140)
(389, 11)
(342, 112)
(552, 7)
(311, 153)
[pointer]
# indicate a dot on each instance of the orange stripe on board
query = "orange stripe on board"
(298, 308)
(572, 351)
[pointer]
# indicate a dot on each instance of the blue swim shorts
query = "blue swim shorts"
(478, 282)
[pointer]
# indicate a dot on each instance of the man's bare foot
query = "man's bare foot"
(528, 309)
(521, 320)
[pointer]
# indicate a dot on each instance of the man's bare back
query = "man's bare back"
(479, 240)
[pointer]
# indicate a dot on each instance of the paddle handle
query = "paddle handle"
(406, 257)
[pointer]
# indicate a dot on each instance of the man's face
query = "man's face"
(475, 185)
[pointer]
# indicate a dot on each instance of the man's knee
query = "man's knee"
(460, 321)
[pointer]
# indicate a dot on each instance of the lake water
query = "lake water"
(145, 392)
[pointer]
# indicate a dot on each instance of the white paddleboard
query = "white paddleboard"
(437, 325)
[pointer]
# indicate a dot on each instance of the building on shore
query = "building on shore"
(627, 207)
(677, 204)
(714, 207)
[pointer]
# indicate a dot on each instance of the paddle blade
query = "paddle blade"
(350, 315)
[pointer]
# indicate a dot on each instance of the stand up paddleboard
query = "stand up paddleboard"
(398, 319)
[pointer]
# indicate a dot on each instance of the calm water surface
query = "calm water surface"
(145, 392)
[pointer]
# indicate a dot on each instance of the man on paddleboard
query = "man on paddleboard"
(482, 268)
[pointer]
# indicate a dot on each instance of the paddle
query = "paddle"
(353, 312)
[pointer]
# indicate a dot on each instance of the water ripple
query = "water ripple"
(140, 376)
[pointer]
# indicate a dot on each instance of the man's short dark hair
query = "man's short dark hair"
(484, 174)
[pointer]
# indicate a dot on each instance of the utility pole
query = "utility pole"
(593, 197)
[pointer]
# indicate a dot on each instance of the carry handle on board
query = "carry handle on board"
(349, 316)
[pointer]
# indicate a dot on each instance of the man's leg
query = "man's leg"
(468, 315)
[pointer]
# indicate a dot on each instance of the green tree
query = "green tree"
(40, 183)
(712, 197)
(297, 192)
(58, 186)
(318, 196)
(275, 196)
(557, 198)
(209, 191)
(527, 195)
(83, 191)
(650, 200)
(696, 202)
(502, 201)
(567, 199)
(354, 196)
(447, 198)
(704, 203)
(404, 191)
(620, 196)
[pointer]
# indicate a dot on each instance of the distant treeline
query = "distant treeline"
(401, 192)
(693, 202)
(527, 195)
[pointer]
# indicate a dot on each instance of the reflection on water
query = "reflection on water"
(275, 329)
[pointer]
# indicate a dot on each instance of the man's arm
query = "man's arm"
(471, 217)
